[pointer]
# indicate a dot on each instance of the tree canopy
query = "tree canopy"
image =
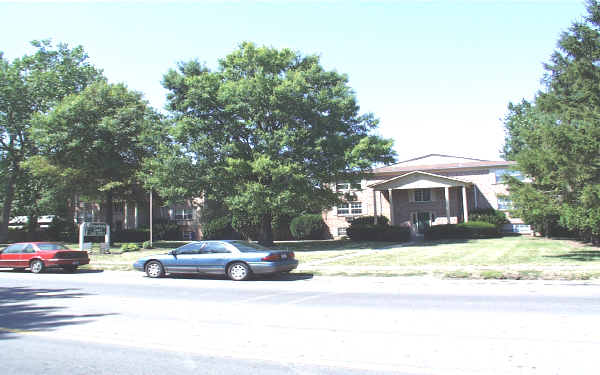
(30, 85)
(266, 134)
(556, 138)
(98, 139)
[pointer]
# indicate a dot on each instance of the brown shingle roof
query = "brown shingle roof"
(439, 167)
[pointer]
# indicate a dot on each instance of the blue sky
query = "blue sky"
(439, 74)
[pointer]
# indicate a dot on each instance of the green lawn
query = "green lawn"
(519, 257)
(518, 250)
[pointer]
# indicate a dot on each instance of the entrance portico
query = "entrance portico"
(420, 199)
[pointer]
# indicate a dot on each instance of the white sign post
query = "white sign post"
(95, 230)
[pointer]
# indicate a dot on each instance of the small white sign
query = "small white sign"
(95, 229)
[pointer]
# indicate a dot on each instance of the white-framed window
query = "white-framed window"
(501, 173)
(341, 231)
(343, 209)
(505, 203)
(349, 208)
(184, 214)
(422, 195)
(348, 186)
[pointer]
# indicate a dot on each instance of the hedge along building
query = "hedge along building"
(429, 190)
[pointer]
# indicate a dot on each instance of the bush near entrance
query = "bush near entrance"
(308, 227)
(488, 215)
(365, 229)
(472, 229)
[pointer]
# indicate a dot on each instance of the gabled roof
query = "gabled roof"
(417, 180)
(437, 162)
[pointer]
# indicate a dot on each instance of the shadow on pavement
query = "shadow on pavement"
(275, 277)
(53, 271)
(26, 309)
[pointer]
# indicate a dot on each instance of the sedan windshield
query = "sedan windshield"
(248, 247)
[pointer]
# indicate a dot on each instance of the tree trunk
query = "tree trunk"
(266, 232)
(9, 195)
(108, 209)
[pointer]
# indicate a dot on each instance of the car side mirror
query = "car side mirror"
(173, 252)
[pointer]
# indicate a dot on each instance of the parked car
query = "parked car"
(236, 259)
(38, 256)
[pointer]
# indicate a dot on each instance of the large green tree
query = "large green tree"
(265, 134)
(98, 140)
(556, 138)
(31, 85)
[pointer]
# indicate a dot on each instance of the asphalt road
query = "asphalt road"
(124, 323)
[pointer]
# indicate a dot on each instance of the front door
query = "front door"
(421, 221)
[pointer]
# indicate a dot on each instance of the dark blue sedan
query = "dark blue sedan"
(236, 259)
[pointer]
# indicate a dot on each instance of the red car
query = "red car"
(40, 255)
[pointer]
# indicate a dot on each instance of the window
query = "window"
(216, 248)
(191, 248)
(504, 203)
(184, 214)
(501, 173)
(422, 195)
(188, 235)
(343, 209)
(342, 231)
(349, 208)
(14, 249)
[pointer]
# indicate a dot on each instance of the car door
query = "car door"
(185, 258)
(215, 256)
(27, 253)
(10, 257)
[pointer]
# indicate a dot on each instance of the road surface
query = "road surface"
(95, 322)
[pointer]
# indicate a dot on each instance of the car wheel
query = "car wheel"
(238, 271)
(37, 266)
(154, 269)
(69, 268)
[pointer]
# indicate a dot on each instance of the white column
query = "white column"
(135, 216)
(465, 209)
(375, 205)
(475, 195)
(447, 194)
(392, 221)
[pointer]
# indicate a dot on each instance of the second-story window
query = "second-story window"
(348, 186)
(423, 195)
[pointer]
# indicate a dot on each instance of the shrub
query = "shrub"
(488, 215)
(379, 232)
(307, 227)
(63, 230)
(472, 229)
(146, 245)
(129, 247)
(219, 229)
(381, 220)
(130, 235)
(165, 229)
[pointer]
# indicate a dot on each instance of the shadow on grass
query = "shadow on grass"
(579, 255)
(25, 309)
(330, 245)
